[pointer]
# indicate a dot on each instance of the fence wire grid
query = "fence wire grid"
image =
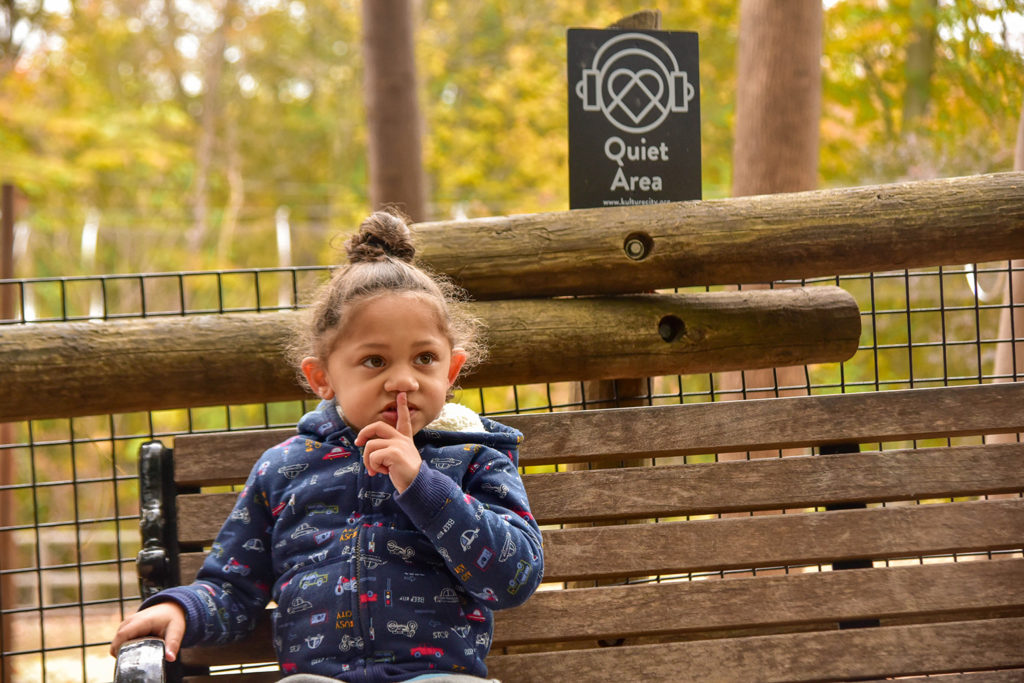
(69, 490)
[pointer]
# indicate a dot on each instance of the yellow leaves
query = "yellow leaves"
(973, 94)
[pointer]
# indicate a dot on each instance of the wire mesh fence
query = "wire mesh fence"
(68, 487)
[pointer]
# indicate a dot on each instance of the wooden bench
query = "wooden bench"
(890, 558)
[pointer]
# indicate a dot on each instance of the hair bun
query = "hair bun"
(381, 235)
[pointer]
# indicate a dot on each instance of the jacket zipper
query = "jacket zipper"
(366, 630)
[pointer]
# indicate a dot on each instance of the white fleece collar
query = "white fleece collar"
(454, 417)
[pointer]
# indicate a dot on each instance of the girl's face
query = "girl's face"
(390, 343)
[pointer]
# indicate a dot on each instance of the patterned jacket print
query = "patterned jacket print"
(371, 585)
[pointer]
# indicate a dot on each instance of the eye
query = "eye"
(426, 358)
(375, 362)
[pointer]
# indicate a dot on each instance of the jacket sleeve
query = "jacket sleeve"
(485, 531)
(233, 585)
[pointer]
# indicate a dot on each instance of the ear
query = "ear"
(458, 360)
(316, 374)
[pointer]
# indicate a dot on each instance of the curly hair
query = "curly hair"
(381, 261)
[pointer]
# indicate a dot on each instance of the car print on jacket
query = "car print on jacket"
(313, 579)
(236, 567)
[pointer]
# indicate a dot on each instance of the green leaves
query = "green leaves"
(960, 119)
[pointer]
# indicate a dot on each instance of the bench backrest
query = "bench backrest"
(675, 526)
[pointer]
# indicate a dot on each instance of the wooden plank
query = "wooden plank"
(256, 648)
(767, 484)
(660, 431)
(1001, 676)
(773, 484)
(725, 241)
(189, 564)
(200, 516)
(674, 608)
(772, 423)
(221, 458)
(771, 540)
(836, 655)
(261, 677)
(188, 361)
(776, 540)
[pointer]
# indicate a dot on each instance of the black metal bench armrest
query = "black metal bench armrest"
(141, 661)
(156, 561)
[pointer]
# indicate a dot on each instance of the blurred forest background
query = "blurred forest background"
(179, 135)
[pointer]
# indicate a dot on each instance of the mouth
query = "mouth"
(390, 413)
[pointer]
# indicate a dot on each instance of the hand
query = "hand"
(164, 619)
(390, 450)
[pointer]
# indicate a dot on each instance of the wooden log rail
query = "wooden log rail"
(728, 241)
(89, 368)
(69, 369)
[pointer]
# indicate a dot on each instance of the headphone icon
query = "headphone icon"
(636, 86)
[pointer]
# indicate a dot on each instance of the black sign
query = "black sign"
(634, 117)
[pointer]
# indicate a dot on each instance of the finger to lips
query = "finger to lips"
(374, 438)
(404, 422)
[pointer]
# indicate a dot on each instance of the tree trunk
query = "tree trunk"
(920, 60)
(7, 298)
(392, 108)
(214, 69)
(236, 193)
(778, 107)
(778, 97)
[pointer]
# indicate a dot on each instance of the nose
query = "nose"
(401, 378)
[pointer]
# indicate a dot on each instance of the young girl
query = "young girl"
(393, 523)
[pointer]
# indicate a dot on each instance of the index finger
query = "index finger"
(404, 422)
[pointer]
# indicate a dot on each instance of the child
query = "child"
(392, 524)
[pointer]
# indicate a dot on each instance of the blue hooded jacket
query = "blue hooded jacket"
(371, 585)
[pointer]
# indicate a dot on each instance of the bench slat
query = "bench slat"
(770, 540)
(825, 655)
(625, 611)
(1001, 676)
(775, 483)
(765, 424)
(776, 540)
(678, 490)
(221, 457)
(660, 431)
(836, 655)
(704, 606)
